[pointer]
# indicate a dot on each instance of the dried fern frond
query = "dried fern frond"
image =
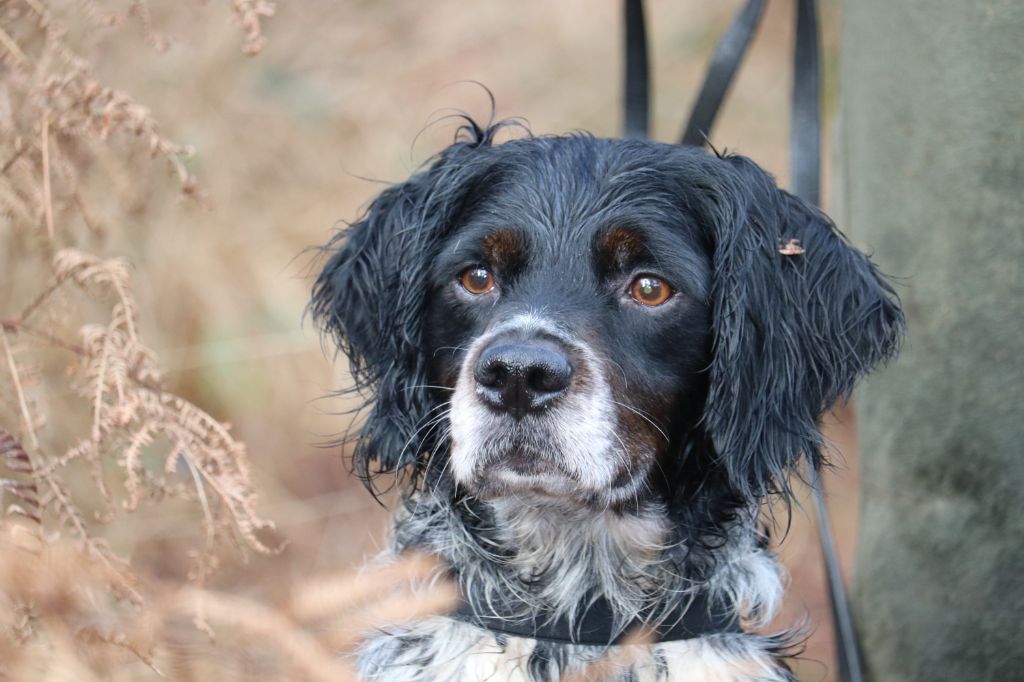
(58, 593)
(131, 412)
(56, 112)
(59, 123)
(329, 596)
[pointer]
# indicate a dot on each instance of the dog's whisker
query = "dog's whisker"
(437, 418)
(440, 388)
(453, 349)
(640, 413)
(625, 379)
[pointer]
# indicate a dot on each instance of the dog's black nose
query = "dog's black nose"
(522, 377)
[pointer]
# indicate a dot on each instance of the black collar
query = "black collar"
(697, 617)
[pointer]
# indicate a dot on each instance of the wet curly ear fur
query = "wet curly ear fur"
(371, 298)
(799, 316)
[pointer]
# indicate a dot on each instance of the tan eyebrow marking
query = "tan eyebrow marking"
(504, 248)
(620, 246)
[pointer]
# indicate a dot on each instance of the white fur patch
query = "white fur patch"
(444, 649)
(580, 551)
(751, 578)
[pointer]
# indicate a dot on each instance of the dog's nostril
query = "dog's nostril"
(491, 374)
(536, 378)
(550, 377)
(522, 377)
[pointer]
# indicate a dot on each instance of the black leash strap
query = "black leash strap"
(696, 618)
(847, 652)
(805, 157)
(805, 121)
(805, 182)
(636, 86)
(724, 64)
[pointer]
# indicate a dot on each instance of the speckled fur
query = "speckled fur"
(548, 555)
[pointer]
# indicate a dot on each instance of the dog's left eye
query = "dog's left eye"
(649, 290)
(477, 280)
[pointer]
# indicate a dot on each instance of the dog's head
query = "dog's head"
(571, 316)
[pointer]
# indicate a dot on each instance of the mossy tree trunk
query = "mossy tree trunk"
(932, 154)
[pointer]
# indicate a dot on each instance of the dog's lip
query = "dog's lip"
(517, 457)
(547, 481)
(508, 454)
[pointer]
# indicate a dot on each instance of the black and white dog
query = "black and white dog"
(591, 361)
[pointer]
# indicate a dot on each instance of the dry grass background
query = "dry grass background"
(161, 401)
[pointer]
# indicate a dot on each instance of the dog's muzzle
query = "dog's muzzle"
(520, 377)
(531, 411)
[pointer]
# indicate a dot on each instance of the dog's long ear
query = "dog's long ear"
(799, 316)
(371, 298)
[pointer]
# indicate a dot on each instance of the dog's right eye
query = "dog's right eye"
(650, 291)
(477, 280)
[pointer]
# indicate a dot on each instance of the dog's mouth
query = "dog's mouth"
(523, 461)
(522, 448)
(510, 465)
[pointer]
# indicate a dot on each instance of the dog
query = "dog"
(590, 362)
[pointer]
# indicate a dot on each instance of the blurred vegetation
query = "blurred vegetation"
(175, 184)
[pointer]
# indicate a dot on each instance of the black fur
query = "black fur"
(790, 334)
(715, 396)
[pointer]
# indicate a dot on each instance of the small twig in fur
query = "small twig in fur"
(791, 248)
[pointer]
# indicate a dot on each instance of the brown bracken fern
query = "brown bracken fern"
(55, 117)
(140, 443)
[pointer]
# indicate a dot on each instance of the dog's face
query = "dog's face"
(579, 318)
(568, 324)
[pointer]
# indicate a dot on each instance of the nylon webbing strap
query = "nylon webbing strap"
(847, 653)
(805, 158)
(724, 64)
(636, 88)
(805, 182)
(805, 126)
(699, 616)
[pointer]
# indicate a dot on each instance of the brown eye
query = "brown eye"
(477, 280)
(649, 290)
